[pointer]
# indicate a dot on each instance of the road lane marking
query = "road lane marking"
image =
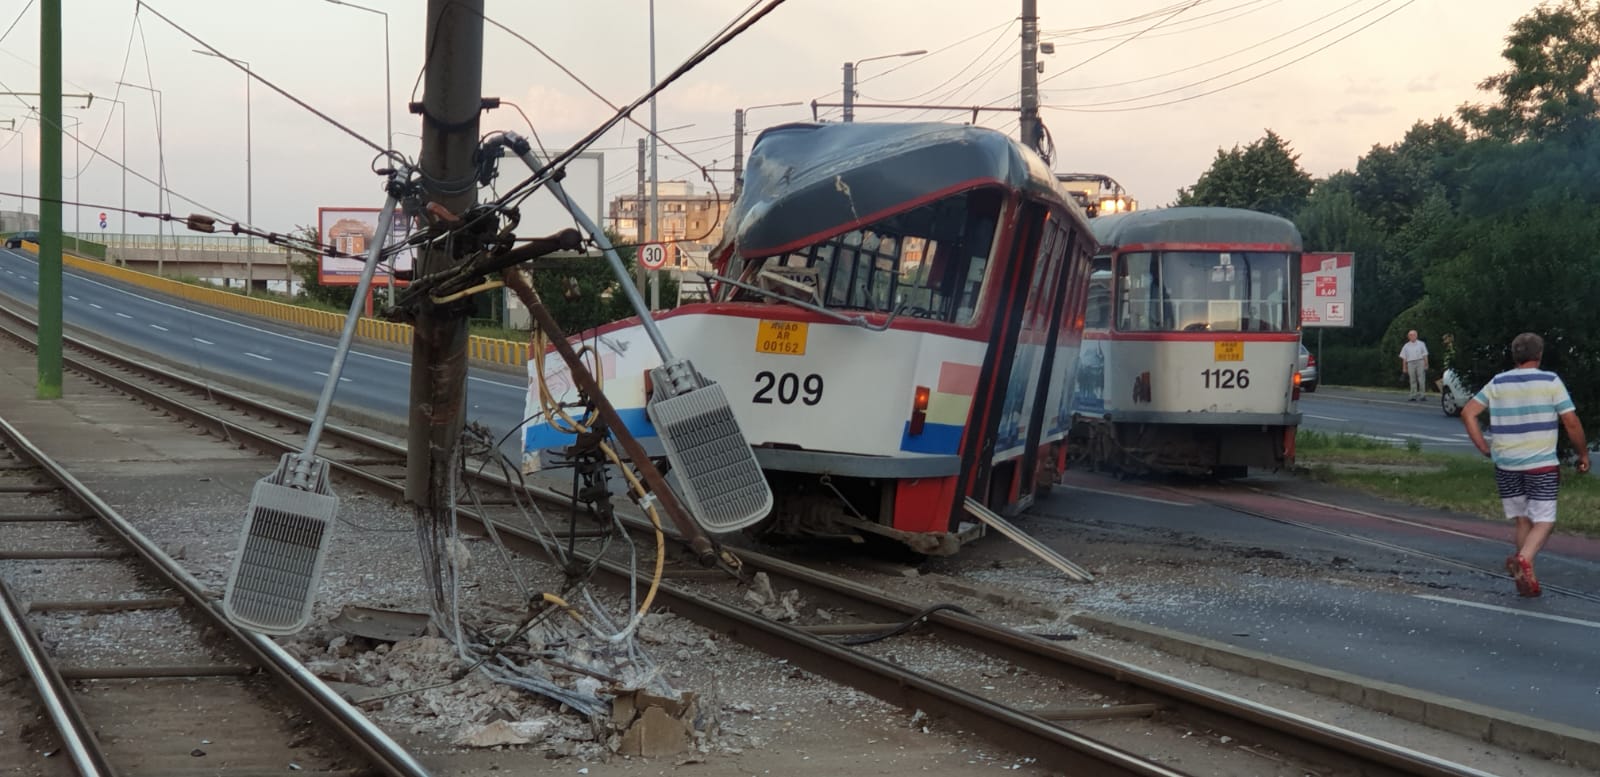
(1323, 417)
(121, 314)
(202, 341)
(96, 307)
(160, 327)
(1510, 610)
(342, 379)
(258, 356)
(85, 279)
(1131, 496)
(74, 299)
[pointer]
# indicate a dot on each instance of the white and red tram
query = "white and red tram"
(1190, 343)
(895, 317)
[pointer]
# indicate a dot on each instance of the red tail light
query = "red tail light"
(919, 409)
(1311, 360)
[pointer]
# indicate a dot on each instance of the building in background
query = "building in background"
(16, 221)
(692, 222)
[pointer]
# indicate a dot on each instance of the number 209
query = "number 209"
(1226, 378)
(788, 388)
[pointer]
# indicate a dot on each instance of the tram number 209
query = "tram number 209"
(787, 388)
(1227, 378)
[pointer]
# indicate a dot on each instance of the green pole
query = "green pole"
(50, 199)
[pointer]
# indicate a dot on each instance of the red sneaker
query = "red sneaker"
(1527, 584)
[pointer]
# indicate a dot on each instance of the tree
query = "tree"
(582, 293)
(308, 267)
(1264, 176)
(1552, 84)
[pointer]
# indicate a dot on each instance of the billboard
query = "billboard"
(1327, 284)
(351, 231)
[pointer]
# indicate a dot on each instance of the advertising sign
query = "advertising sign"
(351, 231)
(1327, 285)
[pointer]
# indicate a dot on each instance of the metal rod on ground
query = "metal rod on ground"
(585, 382)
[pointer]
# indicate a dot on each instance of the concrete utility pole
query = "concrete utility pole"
(738, 150)
(655, 169)
(849, 91)
(451, 103)
(1032, 134)
(49, 386)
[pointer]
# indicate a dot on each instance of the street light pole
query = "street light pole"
(22, 179)
(161, 175)
(850, 70)
(738, 140)
(77, 180)
(249, 177)
(388, 106)
(655, 167)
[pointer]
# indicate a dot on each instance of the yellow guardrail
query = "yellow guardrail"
(484, 349)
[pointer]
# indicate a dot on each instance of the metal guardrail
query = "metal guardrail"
(178, 242)
(508, 353)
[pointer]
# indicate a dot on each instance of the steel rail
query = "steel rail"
(77, 737)
(1277, 728)
(373, 743)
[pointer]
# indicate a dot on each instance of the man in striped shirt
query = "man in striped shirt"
(1527, 407)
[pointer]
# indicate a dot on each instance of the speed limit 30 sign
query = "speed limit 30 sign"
(653, 256)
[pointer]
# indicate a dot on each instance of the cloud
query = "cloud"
(1424, 84)
(1363, 108)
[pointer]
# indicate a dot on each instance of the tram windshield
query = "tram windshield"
(1206, 291)
(928, 262)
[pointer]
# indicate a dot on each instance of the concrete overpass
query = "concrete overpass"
(228, 257)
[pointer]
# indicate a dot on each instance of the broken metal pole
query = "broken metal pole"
(698, 542)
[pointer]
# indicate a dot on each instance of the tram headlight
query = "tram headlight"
(919, 409)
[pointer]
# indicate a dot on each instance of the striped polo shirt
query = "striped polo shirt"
(1525, 407)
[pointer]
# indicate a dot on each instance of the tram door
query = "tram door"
(1041, 328)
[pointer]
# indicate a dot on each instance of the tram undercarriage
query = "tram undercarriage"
(1219, 450)
(852, 509)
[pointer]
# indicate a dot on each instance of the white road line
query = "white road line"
(1511, 611)
(517, 386)
(201, 341)
(74, 299)
(258, 356)
(1323, 417)
(96, 307)
(1131, 496)
(342, 379)
(160, 327)
(121, 314)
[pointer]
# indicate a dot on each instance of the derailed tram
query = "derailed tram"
(1190, 343)
(895, 317)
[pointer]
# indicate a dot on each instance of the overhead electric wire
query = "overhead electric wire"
(1188, 24)
(1123, 22)
(1229, 55)
(253, 75)
(1089, 107)
(1005, 24)
(523, 189)
(953, 76)
(1119, 44)
(20, 14)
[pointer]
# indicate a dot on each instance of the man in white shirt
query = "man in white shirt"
(1414, 364)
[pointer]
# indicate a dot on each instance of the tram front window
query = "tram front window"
(929, 262)
(1205, 291)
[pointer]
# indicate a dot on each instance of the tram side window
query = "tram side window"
(1098, 314)
(1138, 302)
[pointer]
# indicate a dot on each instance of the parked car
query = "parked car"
(1308, 369)
(1453, 393)
(15, 240)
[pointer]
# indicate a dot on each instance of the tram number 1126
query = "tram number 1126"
(787, 388)
(1227, 378)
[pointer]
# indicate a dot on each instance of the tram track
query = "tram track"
(377, 464)
(193, 695)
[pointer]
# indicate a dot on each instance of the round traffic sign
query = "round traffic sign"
(653, 256)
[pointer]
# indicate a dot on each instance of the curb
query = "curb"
(1513, 731)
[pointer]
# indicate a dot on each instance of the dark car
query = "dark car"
(15, 241)
(1308, 369)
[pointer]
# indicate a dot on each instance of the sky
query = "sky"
(1114, 65)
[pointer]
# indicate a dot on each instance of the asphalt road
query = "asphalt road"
(1418, 622)
(374, 380)
(1385, 416)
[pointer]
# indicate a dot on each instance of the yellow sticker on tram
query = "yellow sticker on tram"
(786, 338)
(1229, 351)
